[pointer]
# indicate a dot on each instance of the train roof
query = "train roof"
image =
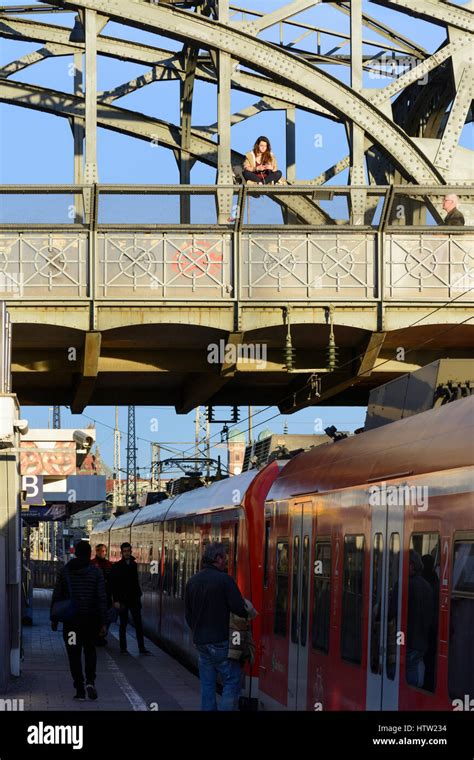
(124, 521)
(154, 512)
(223, 494)
(104, 525)
(228, 493)
(435, 440)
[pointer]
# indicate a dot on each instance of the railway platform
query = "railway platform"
(124, 683)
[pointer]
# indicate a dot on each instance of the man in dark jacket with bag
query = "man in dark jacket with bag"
(126, 593)
(211, 596)
(82, 584)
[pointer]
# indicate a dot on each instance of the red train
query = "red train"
(321, 544)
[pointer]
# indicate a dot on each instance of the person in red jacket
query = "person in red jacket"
(102, 563)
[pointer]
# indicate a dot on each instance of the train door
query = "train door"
(383, 660)
(301, 541)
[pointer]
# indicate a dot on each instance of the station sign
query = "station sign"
(32, 487)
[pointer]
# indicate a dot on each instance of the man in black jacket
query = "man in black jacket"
(211, 595)
(454, 217)
(87, 587)
(126, 593)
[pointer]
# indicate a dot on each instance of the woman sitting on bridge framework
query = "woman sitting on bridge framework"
(260, 164)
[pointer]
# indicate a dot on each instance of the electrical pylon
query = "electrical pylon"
(131, 494)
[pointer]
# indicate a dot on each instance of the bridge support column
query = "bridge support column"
(90, 172)
(224, 166)
(185, 161)
(78, 135)
(357, 145)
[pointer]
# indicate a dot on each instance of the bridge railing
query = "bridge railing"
(163, 242)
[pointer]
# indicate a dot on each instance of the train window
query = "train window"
(281, 591)
(304, 591)
(226, 544)
(167, 574)
(376, 613)
(322, 596)
(196, 559)
(294, 589)
(423, 611)
(205, 541)
(175, 567)
(236, 548)
(392, 605)
(352, 598)
(461, 653)
(182, 568)
(266, 555)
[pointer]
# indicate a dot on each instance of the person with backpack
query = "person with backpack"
(79, 601)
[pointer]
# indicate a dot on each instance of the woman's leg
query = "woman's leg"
(273, 177)
(253, 176)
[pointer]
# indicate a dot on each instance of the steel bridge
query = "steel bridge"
(118, 292)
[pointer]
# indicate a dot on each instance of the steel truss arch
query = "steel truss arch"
(283, 78)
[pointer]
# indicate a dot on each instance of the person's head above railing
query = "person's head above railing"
(453, 216)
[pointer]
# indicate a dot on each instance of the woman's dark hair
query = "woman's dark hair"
(267, 156)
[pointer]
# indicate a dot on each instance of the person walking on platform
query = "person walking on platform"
(79, 601)
(126, 594)
(105, 567)
(210, 597)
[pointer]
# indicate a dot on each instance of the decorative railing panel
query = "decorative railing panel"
(44, 265)
(279, 266)
(426, 266)
(158, 265)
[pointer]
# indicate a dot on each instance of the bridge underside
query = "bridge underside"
(172, 355)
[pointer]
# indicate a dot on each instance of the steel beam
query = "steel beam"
(275, 17)
(90, 368)
(382, 30)
(78, 136)
(145, 128)
(456, 119)
(90, 168)
(282, 66)
(445, 14)
(190, 55)
(356, 134)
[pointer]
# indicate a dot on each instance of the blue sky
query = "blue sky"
(37, 148)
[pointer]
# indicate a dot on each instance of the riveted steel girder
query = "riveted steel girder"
(282, 66)
(169, 64)
(141, 126)
(445, 14)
